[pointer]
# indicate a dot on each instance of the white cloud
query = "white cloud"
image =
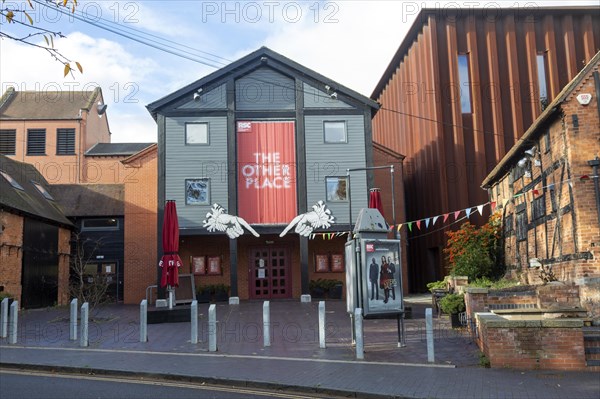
(122, 77)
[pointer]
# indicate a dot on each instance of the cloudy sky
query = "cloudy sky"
(350, 41)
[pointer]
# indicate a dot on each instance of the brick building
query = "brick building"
(34, 238)
(547, 188)
(266, 139)
(458, 94)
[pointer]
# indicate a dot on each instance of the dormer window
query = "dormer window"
(42, 190)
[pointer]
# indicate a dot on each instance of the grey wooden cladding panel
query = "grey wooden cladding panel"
(323, 160)
(195, 161)
(213, 99)
(265, 90)
(317, 98)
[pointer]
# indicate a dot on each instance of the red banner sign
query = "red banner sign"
(266, 171)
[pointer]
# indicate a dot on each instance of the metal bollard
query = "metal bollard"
(4, 318)
(85, 313)
(14, 322)
(322, 324)
(194, 320)
(429, 334)
(266, 324)
(73, 321)
(212, 328)
(358, 328)
(144, 321)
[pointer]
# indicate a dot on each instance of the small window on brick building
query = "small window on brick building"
(547, 142)
(542, 80)
(36, 142)
(8, 140)
(65, 141)
(508, 224)
(538, 207)
(521, 223)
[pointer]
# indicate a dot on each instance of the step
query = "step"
(591, 338)
(592, 351)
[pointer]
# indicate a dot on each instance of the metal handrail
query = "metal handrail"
(149, 288)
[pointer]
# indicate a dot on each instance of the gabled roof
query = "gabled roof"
(140, 154)
(36, 105)
(272, 58)
(81, 200)
(518, 150)
(116, 149)
(27, 199)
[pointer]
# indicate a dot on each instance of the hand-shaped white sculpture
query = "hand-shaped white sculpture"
(319, 217)
(216, 219)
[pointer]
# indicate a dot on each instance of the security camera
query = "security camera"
(333, 96)
(101, 108)
(522, 162)
(196, 96)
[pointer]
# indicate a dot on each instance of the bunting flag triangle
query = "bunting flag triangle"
(312, 236)
(493, 206)
(536, 192)
(456, 215)
(410, 226)
(468, 212)
(418, 225)
(323, 236)
(446, 215)
(480, 209)
(399, 227)
(435, 218)
(584, 177)
(427, 223)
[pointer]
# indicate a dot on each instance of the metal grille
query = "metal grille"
(65, 141)
(36, 142)
(8, 139)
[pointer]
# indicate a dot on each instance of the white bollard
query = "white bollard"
(266, 324)
(194, 320)
(358, 328)
(212, 328)
(85, 313)
(4, 318)
(73, 321)
(429, 334)
(322, 324)
(144, 321)
(14, 322)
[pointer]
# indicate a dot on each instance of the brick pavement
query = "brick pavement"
(294, 359)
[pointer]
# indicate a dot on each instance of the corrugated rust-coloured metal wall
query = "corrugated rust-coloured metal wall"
(449, 153)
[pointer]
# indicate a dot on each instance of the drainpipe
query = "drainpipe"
(594, 163)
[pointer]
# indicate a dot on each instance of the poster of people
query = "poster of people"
(381, 277)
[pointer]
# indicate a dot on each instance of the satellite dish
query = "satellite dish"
(101, 108)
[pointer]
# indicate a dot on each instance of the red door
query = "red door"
(269, 273)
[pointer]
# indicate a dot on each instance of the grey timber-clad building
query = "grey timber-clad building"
(265, 138)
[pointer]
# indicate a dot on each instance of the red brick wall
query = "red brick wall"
(141, 193)
(547, 348)
(11, 253)
(574, 140)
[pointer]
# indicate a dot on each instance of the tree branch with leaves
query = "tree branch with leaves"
(17, 17)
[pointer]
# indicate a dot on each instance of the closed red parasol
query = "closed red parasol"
(170, 261)
(375, 200)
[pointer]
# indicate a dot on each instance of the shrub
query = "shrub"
(5, 295)
(452, 304)
(437, 285)
(473, 251)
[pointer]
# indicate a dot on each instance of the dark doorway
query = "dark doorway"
(433, 265)
(269, 273)
(39, 276)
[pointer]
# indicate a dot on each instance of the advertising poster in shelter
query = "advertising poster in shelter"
(381, 277)
(266, 171)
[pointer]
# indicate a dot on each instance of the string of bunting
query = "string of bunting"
(432, 220)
